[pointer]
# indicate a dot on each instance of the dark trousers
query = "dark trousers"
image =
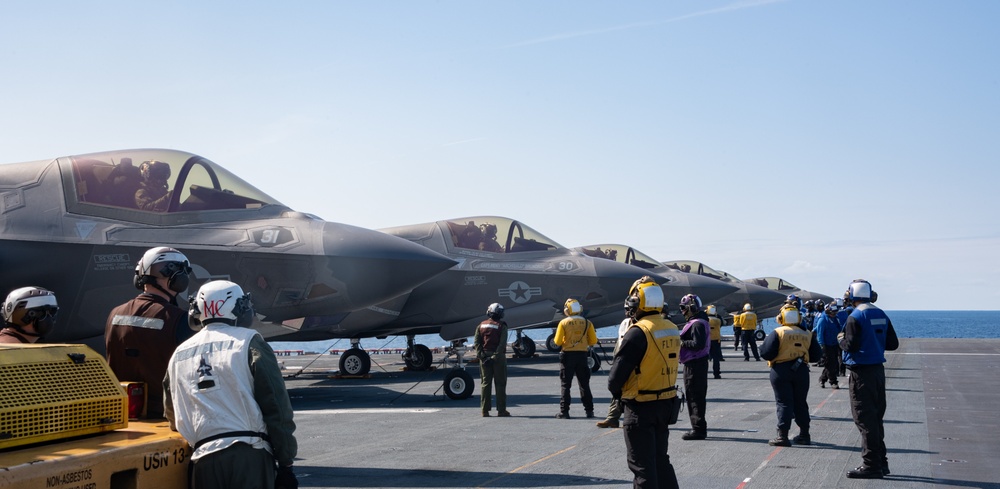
(237, 466)
(790, 390)
(737, 332)
(831, 364)
(645, 427)
(750, 340)
(715, 353)
(494, 372)
(574, 363)
(867, 389)
(696, 391)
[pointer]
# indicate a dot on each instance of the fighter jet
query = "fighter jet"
(784, 287)
(765, 302)
(499, 260)
(677, 285)
(77, 225)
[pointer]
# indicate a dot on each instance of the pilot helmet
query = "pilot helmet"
(710, 310)
(31, 305)
(861, 290)
(495, 311)
(168, 263)
(690, 305)
(789, 316)
(221, 301)
(572, 308)
(154, 171)
(646, 295)
(747, 307)
(489, 230)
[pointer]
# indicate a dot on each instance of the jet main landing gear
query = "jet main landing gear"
(458, 383)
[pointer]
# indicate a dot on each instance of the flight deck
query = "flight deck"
(396, 429)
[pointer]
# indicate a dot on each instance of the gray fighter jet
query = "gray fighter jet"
(77, 225)
(677, 285)
(766, 302)
(499, 260)
(784, 287)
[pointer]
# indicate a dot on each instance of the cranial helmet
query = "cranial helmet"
(819, 304)
(710, 310)
(861, 290)
(794, 300)
(690, 304)
(789, 316)
(747, 307)
(572, 308)
(154, 171)
(495, 311)
(832, 307)
(165, 262)
(31, 305)
(646, 295)
(221, 301)
(810, 306)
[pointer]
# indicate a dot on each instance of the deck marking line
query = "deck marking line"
(564, 450)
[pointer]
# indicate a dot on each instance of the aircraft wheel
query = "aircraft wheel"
(759, 335)
(458, 384)
(594, 361)
(524, 347)
(355, 362)
(550, 344)
(418, 358)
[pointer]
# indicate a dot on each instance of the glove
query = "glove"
(285, 479)
(840, 337)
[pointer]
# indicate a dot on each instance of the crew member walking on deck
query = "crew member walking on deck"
(827, 329)
(643, 375)
(694, 355)
(29, 313)
(867, 335)
(615, 408)
(747, 322)
(715, 337)
(490, 345)
(787, 350)
(575, 334)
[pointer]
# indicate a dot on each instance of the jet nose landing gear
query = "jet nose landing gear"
(458, 383)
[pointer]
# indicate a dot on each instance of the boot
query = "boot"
(802, 438)
(608, 423)
(781, 440)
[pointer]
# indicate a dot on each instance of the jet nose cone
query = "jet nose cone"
(762, 297)
(708, 289)
(374, 266)
(616, 278)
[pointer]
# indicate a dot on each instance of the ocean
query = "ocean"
(908, 324)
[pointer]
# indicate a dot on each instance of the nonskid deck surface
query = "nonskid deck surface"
(397, 429)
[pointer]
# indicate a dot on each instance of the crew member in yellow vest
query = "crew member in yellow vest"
(575, 334)
(747, 322)
(787, 351)
(715, 336)
(644, 376)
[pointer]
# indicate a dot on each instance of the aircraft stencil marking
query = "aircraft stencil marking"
(520, 292)
(83, 229)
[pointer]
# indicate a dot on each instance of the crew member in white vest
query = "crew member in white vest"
(224, 393)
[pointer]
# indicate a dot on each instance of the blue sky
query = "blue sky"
(818, 141)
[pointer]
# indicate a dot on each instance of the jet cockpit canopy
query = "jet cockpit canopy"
(623, 254)
(690, 266)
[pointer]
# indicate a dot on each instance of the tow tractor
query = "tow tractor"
(64, 423)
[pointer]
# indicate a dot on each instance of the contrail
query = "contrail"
(572, 35)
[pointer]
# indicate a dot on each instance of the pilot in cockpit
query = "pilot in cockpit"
(489, 240)
(153, 194)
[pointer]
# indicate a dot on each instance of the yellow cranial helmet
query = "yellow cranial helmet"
(648, 294)
(789, 316)
(572, 308)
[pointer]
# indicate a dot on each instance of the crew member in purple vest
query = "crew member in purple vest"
(694, 356)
